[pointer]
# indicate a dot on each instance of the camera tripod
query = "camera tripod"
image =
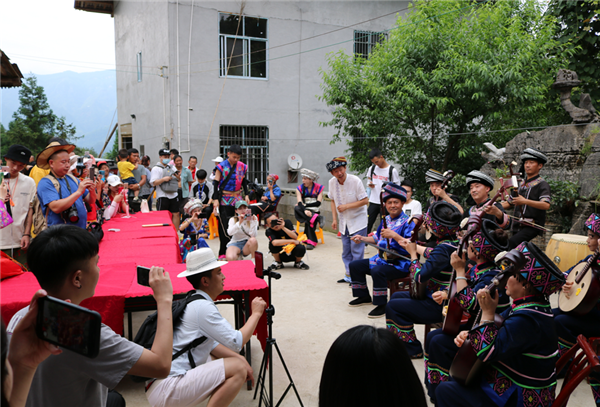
(267, 360)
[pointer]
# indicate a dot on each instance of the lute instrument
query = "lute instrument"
(584, 293)
(418, 291)
(466, 366)
(455, 315)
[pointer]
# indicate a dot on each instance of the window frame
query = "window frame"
(370, 44)
(246, 55)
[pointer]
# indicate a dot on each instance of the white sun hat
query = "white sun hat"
(217, 160)
(200, 260)
(113, 180)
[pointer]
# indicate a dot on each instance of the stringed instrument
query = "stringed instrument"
(418, 291)
(449, 174)
(455, 315)
(466, 366)
(584, 293)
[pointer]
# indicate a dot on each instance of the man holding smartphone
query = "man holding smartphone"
(64, 260)
(280, 234)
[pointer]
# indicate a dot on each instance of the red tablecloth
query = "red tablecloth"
(131, 228)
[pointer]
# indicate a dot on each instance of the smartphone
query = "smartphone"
(248, 212)
(143, 276)
(93, 174)
(69, 326)
(258, 264)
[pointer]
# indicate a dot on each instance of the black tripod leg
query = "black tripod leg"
(287, 372)
(260, 382)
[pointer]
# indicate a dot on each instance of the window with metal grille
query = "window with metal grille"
(126, 141)
(254, 141)
(365, 42)
(243, 46)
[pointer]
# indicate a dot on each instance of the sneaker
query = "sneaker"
(339, 235)
(309, 247)
(343, 280)
(377, 312)
(276, 265)
(357, 302)
(301, 265)
(136, 199)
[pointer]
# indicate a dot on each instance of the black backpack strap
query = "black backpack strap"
(372, 170)
(196, 342)
(391, 174)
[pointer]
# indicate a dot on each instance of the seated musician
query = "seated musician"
(383, 266)
(532, 201)
(402, 312)
(440, 348)
(309, 196)
(522, 352)
(435, 179)
(480, 185)
(569, 326)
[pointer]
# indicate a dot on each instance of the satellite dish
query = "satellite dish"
(295, 162)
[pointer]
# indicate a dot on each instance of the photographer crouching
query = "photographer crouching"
(281, 234)
(62, 195)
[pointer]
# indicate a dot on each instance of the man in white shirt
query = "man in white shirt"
(15, 238)
(381, 172)
(348, 203)
(222, 377)
(411, 207)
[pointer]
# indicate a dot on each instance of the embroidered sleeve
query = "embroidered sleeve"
(437, 262)
(415, 270)
(427, 252)
(482, 339)
(466, 298)
(545, 194)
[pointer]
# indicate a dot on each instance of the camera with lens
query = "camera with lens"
(70, 215)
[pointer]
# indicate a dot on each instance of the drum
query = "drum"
(566, 250)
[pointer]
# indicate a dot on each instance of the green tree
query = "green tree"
(112, 154)
(578, 25)
(34, 122)
(449, 74)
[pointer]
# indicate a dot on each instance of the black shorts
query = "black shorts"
(167, 204)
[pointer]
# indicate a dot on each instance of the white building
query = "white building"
(172, 88)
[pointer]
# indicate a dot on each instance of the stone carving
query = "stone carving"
(495, 153)
(565, 81)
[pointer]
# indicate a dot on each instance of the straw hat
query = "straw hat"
(199, 261)
(42, 158)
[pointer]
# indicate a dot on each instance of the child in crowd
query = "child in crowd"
(193, 228)
(242, 229)
(125, 171)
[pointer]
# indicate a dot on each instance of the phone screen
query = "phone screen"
(258, 264)
(143, 276)
(69, 326)
(93, 174)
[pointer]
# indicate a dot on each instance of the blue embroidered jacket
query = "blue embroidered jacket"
(522, 354)
(481, 276)
(401, 226)
(437, 270)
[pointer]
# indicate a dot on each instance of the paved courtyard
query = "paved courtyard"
(311, 311)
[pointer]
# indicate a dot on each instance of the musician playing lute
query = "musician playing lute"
(440, 348)
(383, 266)
(520, 354)
(569, 326)
(402, 312)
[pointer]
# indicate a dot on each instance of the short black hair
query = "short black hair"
(269, 214)
(59, 251)
(201, 174)
(194, 157)
(133, 151)
(408, 183)
(123, 153)
(174, 151)
(382, 354)
(196, 279)
(176, 156)
(375, 152)
(235, 149)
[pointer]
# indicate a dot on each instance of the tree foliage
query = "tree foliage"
(449, 74)
(34, 122)
(578, 25)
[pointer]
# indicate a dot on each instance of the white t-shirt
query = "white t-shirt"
(244, 231)
(413, 208)
(381, 175)
(202, 318)
(352, 191)
(70, 379)
(156, 174)
(22, 196)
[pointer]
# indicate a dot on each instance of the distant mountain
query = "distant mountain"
(88, 100)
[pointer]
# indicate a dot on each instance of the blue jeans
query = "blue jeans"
(352, 251)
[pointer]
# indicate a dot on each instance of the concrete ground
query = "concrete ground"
(311, 311)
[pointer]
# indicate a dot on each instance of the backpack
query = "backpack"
(172, 185)
(40, 220)
(145, 336)
(372, 170)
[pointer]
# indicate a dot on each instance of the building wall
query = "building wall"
(287, 102)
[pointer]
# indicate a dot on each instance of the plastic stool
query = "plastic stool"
(318, 232)
(213, 226)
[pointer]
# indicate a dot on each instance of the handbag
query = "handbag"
(5, 218)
